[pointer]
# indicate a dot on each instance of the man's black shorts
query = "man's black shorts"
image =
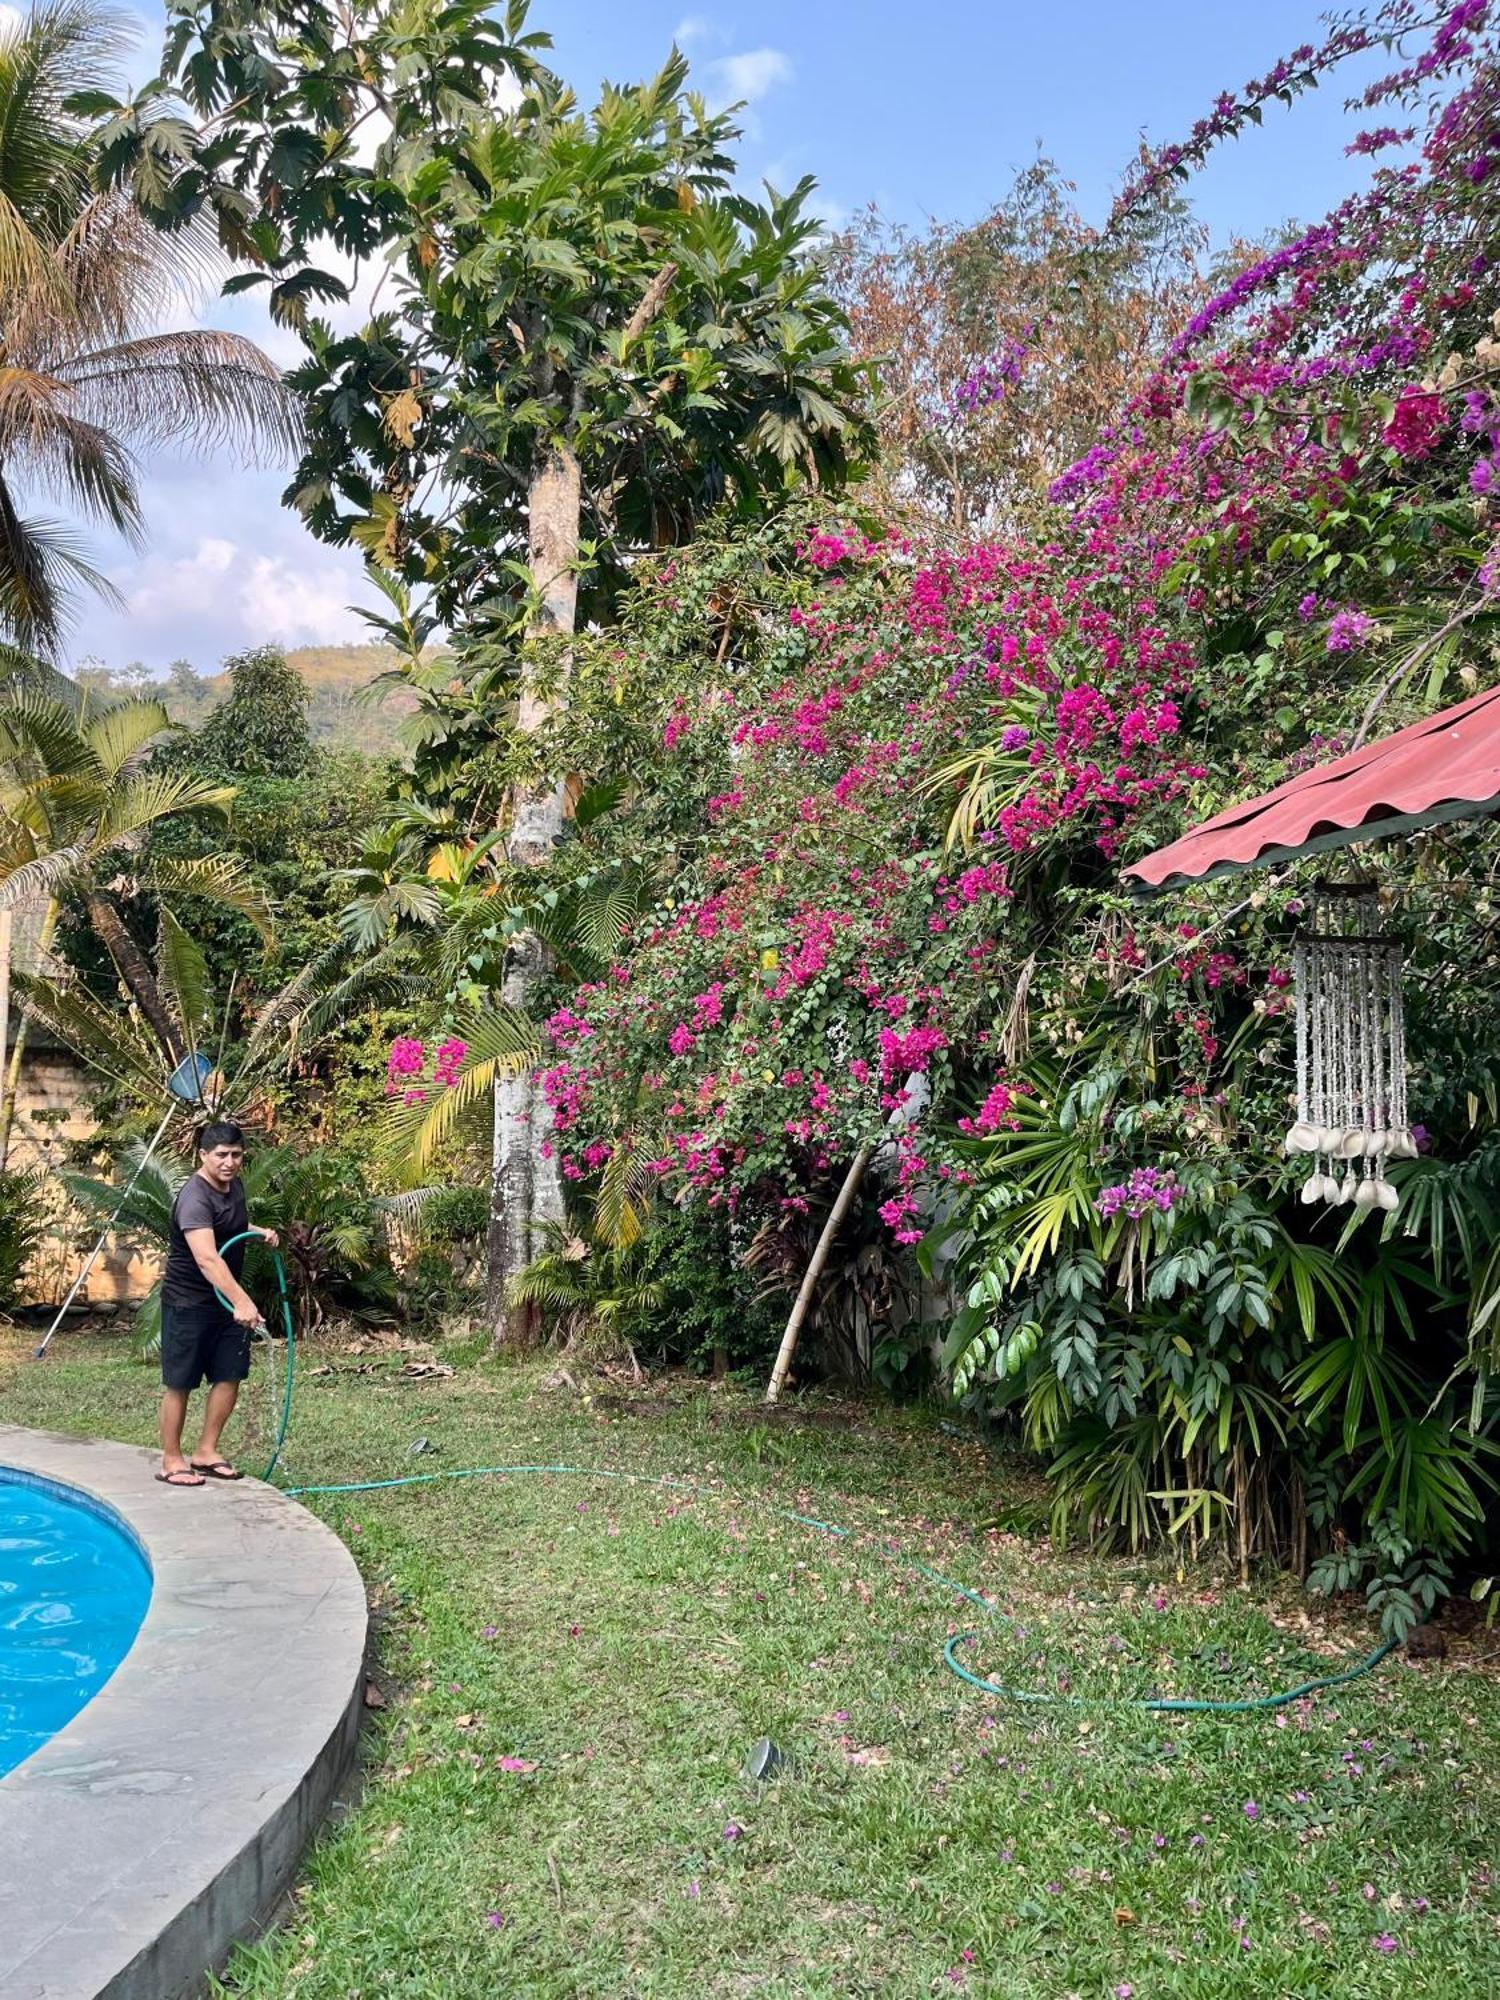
(202, 1344)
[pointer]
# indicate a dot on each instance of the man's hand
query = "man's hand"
(247, 1313)
(269, 1236)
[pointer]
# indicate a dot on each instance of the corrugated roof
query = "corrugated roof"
(1444, 768)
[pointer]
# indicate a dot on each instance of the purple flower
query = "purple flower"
(496, 1920)
(1386, 1943)
(1307, 608)
(733, 1830)
(1250, 1809)
(1013, 736)
(1348, 629)
(1148, 1188)
(1482, 477)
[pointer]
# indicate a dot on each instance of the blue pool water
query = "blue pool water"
(73, 1591)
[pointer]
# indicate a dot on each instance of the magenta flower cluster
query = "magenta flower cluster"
(407, 1059)
(1149, 1191)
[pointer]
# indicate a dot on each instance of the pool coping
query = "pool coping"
(165, 1821)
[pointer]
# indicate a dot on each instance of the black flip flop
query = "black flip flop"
(178, 1477)
(220, 1469)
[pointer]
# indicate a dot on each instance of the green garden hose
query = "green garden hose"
(254, 1236)
(1160, 1704)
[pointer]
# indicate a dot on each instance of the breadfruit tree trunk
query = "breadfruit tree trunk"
(526, 1188)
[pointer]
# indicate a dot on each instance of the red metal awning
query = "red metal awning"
(1445, 768)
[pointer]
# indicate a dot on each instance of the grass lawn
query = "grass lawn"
(575, 1670)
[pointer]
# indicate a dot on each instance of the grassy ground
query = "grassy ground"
(575, 1669)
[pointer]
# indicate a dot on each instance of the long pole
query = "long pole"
(93, 1256)
(814, 1271)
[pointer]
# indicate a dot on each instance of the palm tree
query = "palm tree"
(79, 793)
(87, 376)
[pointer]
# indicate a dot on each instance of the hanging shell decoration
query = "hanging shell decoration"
(1351, 1054)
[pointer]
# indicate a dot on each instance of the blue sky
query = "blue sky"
(926, 111)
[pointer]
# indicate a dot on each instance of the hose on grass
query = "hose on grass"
(1155, 1704)
(285, 1303)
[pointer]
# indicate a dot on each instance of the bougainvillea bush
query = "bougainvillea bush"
(858, 814)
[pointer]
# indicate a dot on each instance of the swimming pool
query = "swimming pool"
(74, 1588)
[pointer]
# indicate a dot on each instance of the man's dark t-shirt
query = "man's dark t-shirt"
(199, 1205)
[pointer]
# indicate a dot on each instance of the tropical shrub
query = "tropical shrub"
(23, 1225)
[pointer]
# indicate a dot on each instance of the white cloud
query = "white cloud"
(298, 604)
(245, 597)
(696, 28)
(749, 76)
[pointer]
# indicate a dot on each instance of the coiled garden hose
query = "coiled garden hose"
(284, 1300)
(1157, 1704)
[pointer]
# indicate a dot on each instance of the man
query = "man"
(200, 1341)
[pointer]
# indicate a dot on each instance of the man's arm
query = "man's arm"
(211, 1264)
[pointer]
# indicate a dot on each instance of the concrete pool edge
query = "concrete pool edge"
(166, 1820)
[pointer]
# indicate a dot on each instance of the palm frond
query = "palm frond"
(218, 878)
(502, 1042)
(35, 724)
(203, 388)
(47, 875)
(44, 438)
(148, 796)
(182, 973)
(119, 735)
(43, 567)
(626, 1192)
(322, 996)
(111, 1043)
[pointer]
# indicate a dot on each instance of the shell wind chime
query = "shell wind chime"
(1351, 1053)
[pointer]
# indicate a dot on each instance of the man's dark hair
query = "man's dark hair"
(220, 1134)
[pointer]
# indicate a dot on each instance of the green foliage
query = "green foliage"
(1404, 1587)
(454, 1215)
(261, 730)
(713, 1309)
(24, 1220)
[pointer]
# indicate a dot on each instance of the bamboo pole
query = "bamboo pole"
(814, 1271)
